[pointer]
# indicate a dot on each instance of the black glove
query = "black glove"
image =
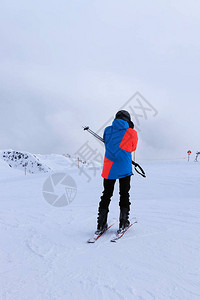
(131, 125)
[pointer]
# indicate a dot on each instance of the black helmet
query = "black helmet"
(124, 115)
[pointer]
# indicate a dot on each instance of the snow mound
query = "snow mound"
(4, 166)
(63, 162)
(24, 161)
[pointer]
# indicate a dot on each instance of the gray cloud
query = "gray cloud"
(72, 63)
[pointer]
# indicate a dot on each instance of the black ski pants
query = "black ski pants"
(124, 187)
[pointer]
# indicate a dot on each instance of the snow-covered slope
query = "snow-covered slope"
(44, 254)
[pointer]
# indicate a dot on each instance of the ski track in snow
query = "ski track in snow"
(44, 252)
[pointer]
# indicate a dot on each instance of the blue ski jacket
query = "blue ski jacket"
(120, 141)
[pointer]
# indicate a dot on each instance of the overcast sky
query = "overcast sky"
(64, 64)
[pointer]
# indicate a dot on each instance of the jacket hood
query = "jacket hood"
(120, 124)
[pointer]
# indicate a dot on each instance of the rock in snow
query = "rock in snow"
(24, 161)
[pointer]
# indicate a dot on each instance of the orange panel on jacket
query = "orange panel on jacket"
(106, 167)
(129, 141)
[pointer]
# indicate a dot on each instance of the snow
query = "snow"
(44, 254)
(23, 161)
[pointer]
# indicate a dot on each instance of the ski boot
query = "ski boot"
(102, 220)
(123, 219)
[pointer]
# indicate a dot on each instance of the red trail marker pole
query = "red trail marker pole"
(189, 152)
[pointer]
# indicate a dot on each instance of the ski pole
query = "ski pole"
(136, 165)
(93, 133)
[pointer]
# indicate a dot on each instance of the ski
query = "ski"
(120, 234)
(97, 236)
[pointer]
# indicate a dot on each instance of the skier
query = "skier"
(120, 140)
